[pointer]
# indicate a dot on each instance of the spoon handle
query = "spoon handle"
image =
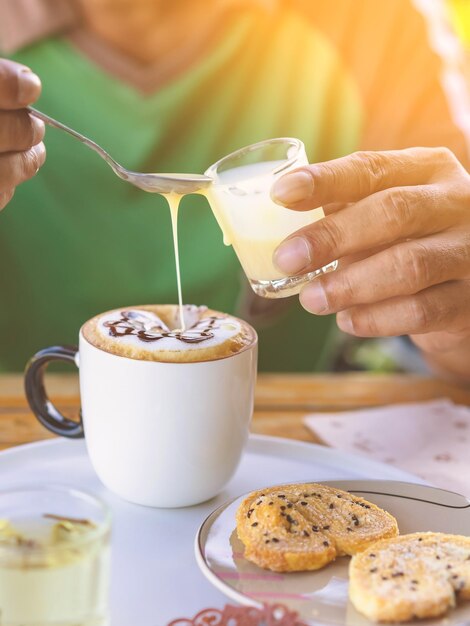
(155, 183)
(88, 142)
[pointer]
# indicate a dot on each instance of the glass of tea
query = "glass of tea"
(54, 557)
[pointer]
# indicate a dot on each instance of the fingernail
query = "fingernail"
(292, 188)
(38, 130)
(40, 151)
(343, 319)
(313, 297)
(29, 86)
(292, 255)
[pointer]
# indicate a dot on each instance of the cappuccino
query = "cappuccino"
(157, 333)
(165, 426)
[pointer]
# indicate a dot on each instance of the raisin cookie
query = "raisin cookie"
(306, 526)
(412, 576)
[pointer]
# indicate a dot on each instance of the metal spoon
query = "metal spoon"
(155, 183)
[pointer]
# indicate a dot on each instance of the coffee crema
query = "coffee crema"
(154, 333)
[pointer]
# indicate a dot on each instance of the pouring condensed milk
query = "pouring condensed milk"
(249, 219)
(151, 372)
(238, 190)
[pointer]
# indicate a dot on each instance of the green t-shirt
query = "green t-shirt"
(76, 240)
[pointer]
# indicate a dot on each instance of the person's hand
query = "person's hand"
(399, 223)
(21, 149)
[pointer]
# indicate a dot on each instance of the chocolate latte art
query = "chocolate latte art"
(154, 333)
(147, 328)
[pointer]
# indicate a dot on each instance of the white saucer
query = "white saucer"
(321, 597)
(155, 577)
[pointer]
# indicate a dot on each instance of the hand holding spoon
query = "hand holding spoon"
(154, 183)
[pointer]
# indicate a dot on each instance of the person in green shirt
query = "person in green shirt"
(173, 88)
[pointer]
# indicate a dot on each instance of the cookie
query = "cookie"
(306, 526)
(412, 576)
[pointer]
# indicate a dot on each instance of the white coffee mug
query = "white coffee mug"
(158, 434)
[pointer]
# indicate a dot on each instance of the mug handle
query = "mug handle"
(36, 394)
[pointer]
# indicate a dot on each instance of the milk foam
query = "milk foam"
(147, 331)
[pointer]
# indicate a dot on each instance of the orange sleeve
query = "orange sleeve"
(386, 47)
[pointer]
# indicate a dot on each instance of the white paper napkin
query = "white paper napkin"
(430, 439)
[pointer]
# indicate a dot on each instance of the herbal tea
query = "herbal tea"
(54, 570)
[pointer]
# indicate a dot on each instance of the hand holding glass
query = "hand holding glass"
(250, 221)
